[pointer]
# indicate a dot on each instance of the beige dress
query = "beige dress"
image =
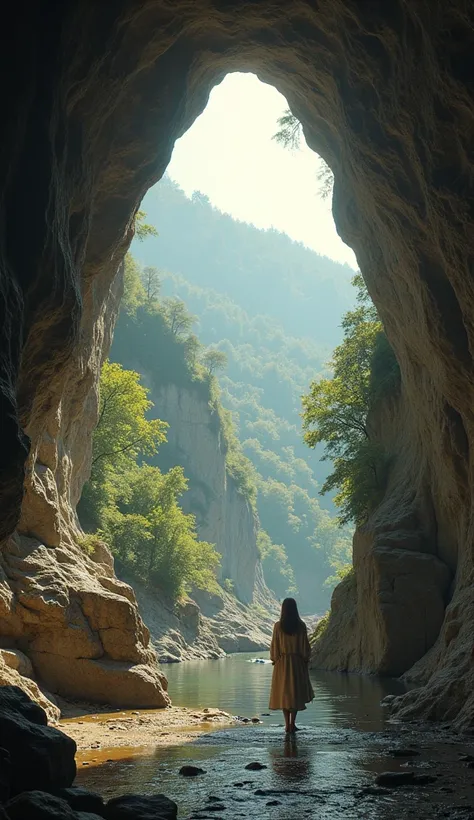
(291, 686)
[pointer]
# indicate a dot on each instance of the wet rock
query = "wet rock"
(373, 791)
(255, 766)
(273, 803)
(42, 757)
(424, 779)
(136, 807)
(5, 775)
(466, 758)
(37, 805)
(191, 771)
(82, 800)
(238, 785)
(392, 780)
(403, 753)
(13, 699)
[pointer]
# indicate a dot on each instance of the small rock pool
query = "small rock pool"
(327, 771)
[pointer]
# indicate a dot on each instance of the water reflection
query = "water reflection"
(321, 767)
(292, 765)
(242, 688)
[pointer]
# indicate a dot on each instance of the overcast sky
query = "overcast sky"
(229, 155)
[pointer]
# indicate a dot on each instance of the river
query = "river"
(344, 741)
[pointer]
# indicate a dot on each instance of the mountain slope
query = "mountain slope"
(275, 308)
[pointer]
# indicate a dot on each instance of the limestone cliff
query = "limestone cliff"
(97, 94)
(206, 625)
(224, 516)
(78, 625)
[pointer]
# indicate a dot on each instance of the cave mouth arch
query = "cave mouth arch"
(96, 97)
(290, 304)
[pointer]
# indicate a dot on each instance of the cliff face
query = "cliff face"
(78, 625)
(241, 618)
(408, 607)
(224, 516)
(96, 96)
(388, 613)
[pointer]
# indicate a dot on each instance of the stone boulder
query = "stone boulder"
(9, 676)
(136, 807)
(81, 629)
(82, 800)
(38, 805)
(41, 756)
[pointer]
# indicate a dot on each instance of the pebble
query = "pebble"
(191, 771)
(255, 766)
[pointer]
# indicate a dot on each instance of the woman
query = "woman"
(290, 652)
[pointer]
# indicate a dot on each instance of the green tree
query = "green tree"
(123, 432)
(142, 229)
(148, 530)
(133, 506)
(289, 135)
(179, 320)
(214, 359)
(192, 347)
(290, 131)
(134, 293)
(335, 412)
(151, 281)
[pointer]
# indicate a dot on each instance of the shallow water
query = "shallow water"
(344, 741)
(240, 687)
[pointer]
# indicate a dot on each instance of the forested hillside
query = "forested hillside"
(274, 307)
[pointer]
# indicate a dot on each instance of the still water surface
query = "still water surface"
(241, 687)
(336, 751)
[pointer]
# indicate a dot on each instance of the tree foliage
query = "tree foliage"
(143, 229)
(149, 532)
(123, 432)
(289, 135)
(335, 411)
(214, 359)
(290, 131)
(133, 506)
(151, 281)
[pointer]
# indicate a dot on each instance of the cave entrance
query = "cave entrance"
(246, 239)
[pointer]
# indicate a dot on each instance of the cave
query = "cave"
(95, 96)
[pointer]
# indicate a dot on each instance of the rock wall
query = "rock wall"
(97, 95)
(388, 613)
(224, 517)
(78, 625)
(207, 625)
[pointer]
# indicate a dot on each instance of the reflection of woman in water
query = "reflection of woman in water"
(290, 652)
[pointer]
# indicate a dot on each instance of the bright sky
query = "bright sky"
(229, 155)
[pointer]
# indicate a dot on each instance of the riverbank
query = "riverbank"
(98, 732)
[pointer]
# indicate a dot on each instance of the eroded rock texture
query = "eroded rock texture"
(95, 97)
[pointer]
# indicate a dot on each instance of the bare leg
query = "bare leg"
(286, 715)
(292, 721)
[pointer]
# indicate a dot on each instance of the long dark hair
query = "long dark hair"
(290, 620)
